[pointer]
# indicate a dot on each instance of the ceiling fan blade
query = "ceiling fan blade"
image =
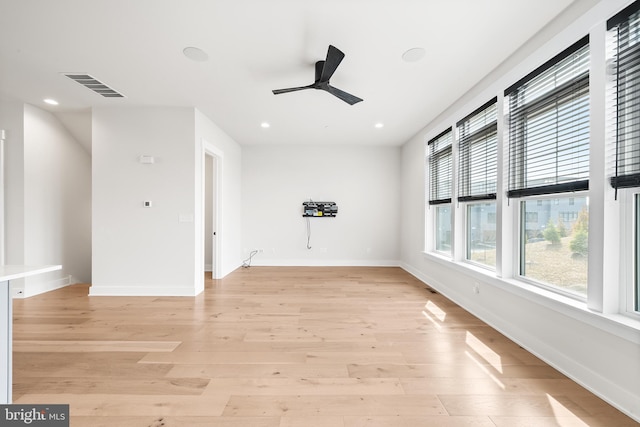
(319, 67)
(334, 58)
(291, 89)
(346, 97)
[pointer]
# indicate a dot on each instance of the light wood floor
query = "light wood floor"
(287, 347)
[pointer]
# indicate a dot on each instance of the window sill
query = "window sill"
(618, 324)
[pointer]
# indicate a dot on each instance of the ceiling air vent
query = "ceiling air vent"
(95, 85)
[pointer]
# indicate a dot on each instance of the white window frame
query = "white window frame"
(629, 268)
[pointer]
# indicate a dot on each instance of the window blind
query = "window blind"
(440, 168)
(478, 162)
(625, 27)
(549, 126)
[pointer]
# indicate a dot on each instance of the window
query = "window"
(477, 141)
(549, 126)
(568, 216)
(549, 155)
(624, 31)
(532, 216)
(477, 134)
(440, 167)
(636, 293)
(440, 177)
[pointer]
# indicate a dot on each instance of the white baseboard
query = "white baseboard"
(323, 263)
(26, 289)
(208, 268)
(142, 291)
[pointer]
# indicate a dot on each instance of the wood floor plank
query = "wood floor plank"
(426, 421)
(51, 320)
(305, 386)
(288, 333)
(293, 346)
(93, 385)
(117, 331)
(175, 421)
(349, 357)
(287, 347)
(557, 421)
(90, 370)
(283, 405)
(74, 346)
(434, 370)
(316, 421)
(259, 371)
(109, 405)
(511, 405)
(201, 357)
(484, 386)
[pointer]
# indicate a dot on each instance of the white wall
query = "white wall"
(12, 121)
(138, 250)
(363, 181)
(598, 350)
(229, 177)
(57, 202)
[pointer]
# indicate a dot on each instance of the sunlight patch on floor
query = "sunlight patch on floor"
(563, 416)
(486, 370)
(484, 351)
(440, 314)
(434, 321)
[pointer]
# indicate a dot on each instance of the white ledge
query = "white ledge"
(11, 272)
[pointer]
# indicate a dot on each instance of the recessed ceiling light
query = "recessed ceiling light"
(414, 54)
(379, 125)
(265, 125)
(51, 101)
(195, 54)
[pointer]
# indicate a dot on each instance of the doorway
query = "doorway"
(212, 211)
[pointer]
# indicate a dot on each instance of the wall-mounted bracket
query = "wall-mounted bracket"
(319, 209)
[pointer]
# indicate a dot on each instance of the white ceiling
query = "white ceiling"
(254, 46)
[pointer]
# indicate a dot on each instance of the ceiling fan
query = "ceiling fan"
(324, 71)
